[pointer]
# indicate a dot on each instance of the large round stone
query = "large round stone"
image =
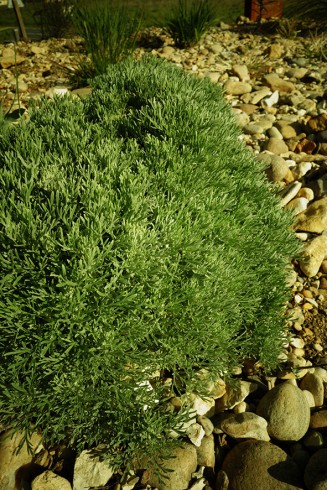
(287, 412)
(261, 465)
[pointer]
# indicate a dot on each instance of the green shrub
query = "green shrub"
(138, 236)
(109, 31)
(189, 21)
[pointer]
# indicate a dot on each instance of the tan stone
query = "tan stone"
(314, 253)
(50, 481)
(314, 219)
(9, 58)
(182, 464)
(277, 83)
(10, 462)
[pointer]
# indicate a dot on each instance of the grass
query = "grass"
(154, 11)
(189, 21)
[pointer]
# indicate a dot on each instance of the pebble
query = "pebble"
(276, 145)
(232, 87)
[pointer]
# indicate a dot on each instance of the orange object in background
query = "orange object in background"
(265, 9)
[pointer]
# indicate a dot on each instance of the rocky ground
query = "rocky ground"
(270, 433)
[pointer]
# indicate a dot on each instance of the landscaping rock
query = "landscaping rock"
(245, 425)
(319, 420)
(205, 452)
(261, 465)
(276, 83)
(314, 219)
(234, 396)
(89, 471)
(287, 412)
(314, 384)
(315, 475)
(10, 462)
(183, 464)
(276, 145)
(314, 253)
(50, 481)
(237, 88)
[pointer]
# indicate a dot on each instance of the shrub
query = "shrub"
(54, 17)
(140, 241)
(190, 20)
(109, 31)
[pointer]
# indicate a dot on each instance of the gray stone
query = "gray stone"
(237, 88)
(245, 425)
(89, 471)
(315, 475)
(287, 412)
(261, 465)
(276, 145)
(50, 481)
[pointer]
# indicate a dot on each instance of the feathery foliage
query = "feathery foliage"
(139, 240)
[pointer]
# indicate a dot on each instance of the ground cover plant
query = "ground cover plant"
(140, 242)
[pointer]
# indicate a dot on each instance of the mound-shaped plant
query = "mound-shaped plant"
(140, 241)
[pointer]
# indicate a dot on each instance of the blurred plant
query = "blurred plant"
(303, 9)
(54, 17)
(190, 20)
(317, 47)
(110, 34)
(288, 28)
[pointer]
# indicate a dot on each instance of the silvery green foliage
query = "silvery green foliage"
(138, 236)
